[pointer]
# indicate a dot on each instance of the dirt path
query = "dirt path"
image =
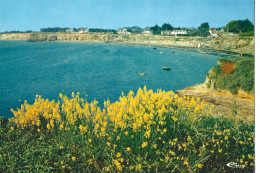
(241, 106)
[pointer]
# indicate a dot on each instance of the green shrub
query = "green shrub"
(242, 77)
(251, 33)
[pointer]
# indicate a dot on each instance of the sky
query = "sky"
(33, 15)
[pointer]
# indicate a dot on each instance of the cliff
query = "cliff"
(236, 44)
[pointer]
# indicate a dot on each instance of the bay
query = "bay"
(100, 71)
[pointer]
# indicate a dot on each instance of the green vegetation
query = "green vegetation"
(146, 132)
(234, 74)
(239, 26)
(247, 34)
(54, 29)
(156, 29)
(203, 30)
(167, 26)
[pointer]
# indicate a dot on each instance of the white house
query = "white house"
(147, 31)
(213, 33)
(83, 30)
(69, 30)
(174, 32)
(123, 31)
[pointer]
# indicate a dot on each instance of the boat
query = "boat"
(142, 74)
(155, 48)
(167, 68)
(161, 52)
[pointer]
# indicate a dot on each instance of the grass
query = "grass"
(143, 132)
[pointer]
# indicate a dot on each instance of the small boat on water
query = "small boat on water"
(155, 48)
(142, 74)
(161, 52)
(166, 68)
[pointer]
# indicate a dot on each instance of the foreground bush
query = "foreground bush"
(146, 132)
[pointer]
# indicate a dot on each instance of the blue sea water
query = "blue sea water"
(102, 71)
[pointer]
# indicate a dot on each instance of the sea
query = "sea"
(97, 71)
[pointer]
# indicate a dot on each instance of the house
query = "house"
(174, 32)
(147, 31)
(69, 30)
(213, 33)
(83, 30)
(123, 31)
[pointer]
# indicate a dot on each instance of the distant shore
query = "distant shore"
(241, 46)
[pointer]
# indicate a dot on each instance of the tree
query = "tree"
(167, 26)
(238, 26)
(204, 29)
(156, 29)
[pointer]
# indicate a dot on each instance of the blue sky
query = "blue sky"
(35, 14)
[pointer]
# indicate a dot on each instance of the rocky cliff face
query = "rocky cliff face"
(15, 36)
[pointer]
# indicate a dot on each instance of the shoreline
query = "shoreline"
(236, 45)
(240, 106)
(135, 44)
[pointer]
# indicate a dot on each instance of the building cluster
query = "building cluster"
(80, 30)
(147, 31)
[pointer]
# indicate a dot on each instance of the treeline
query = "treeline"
(102, 30)
(55, 29)
(244, 27)
(29, 31)
(166, 27)
(239, 26)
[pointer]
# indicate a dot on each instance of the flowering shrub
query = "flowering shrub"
(227, 68)
(149, 131)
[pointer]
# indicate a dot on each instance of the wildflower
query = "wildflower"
(174, 118)
(164, 130)
(63, 167)
(39, 130)
(226, 138)
(128, 149)
(144, 144)
(121, 160)
(118, 155)
(90, 140)
(117, 138)
(189, 138)
(48, 126)
(184, 145)
(220, 150)
(200, 165)
(61, 162)
(126, 133)
(139, 167)
(73, 158)
(118, 165)
(108, 144)
(61, 147)
(154, 146)
(172, 153)
(186, 162)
